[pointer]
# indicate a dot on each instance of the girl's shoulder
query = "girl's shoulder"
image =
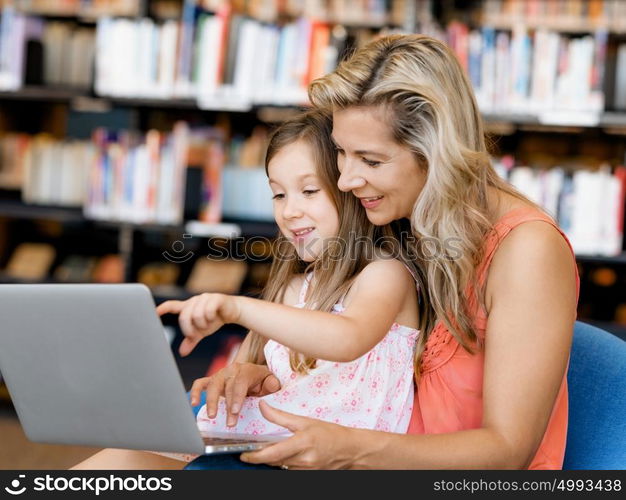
(385, 269)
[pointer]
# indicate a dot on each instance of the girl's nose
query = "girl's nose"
(349, 179)
(291, 209)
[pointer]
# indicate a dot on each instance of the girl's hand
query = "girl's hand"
(314, 445)
(201, 316)
(234, 382)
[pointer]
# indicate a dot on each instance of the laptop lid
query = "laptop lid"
(90, 365)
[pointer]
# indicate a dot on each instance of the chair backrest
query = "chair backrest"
(596, 436)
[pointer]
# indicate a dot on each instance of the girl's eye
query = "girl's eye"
(370, 163)
(278, 196)
(309, 192)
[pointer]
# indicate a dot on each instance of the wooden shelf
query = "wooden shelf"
(228, 228)
(600, 259)
(564, 25)
(19, 210)
(608, 119)
(44, 94)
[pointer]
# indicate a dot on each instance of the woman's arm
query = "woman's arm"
(376, 299)
(531, 299)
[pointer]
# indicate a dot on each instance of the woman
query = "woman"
(500, 278)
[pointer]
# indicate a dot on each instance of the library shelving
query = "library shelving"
(238, 67)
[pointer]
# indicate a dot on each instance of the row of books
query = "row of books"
(137, 178)
(48, 171)
(538, 72)
(117, 176)
(221, 60)
(128, 177)
(358, 12)
(234, 62)
(588, 205)
(226, 60)
(374, 13)
(33, 51)
(77, 8)
(574, 15)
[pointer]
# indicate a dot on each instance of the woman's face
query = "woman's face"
(383, 174)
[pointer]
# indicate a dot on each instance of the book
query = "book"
(75, 269)
(224, 276)
(109, 269)
(31, 261)
(211, 209)
(158, 274)
(619, 101)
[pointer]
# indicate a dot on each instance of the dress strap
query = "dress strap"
(414, 276)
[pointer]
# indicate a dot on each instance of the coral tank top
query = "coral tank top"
(449, 396)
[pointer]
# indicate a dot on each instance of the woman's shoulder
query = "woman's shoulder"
(535, 251)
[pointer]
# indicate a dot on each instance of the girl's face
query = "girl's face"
(303, 209)
(383, 174)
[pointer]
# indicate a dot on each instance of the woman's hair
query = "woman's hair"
(344, 257)
(431, 109)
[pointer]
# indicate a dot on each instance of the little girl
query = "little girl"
(339, 321)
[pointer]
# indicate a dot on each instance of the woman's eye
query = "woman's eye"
(309, 192)
(278, 196)
(371, 163)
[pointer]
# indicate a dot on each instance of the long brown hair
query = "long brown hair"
(432, 111)
(345, 257)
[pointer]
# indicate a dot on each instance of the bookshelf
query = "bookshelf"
(572, 134)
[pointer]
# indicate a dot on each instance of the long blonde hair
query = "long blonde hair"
(432, 110)
(345, 257)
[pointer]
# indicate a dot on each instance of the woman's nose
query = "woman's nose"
(349, 178)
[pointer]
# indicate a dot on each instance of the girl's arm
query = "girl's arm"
(377, 297)
(531, 296)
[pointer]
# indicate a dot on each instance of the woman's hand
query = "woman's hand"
(234, 382)
(314, 445)
(201, 316)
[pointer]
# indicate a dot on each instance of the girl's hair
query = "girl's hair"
(431, 109)
(343, 257)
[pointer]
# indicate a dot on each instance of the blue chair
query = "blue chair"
(596, 436)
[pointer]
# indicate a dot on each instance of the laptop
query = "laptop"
(89, 364)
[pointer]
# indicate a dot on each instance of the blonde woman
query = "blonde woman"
(501, 279)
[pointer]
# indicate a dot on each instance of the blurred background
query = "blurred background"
(133, 132)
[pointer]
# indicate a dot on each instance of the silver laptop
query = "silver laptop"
(90, 365)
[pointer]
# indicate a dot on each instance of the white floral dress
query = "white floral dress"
(374, 391)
